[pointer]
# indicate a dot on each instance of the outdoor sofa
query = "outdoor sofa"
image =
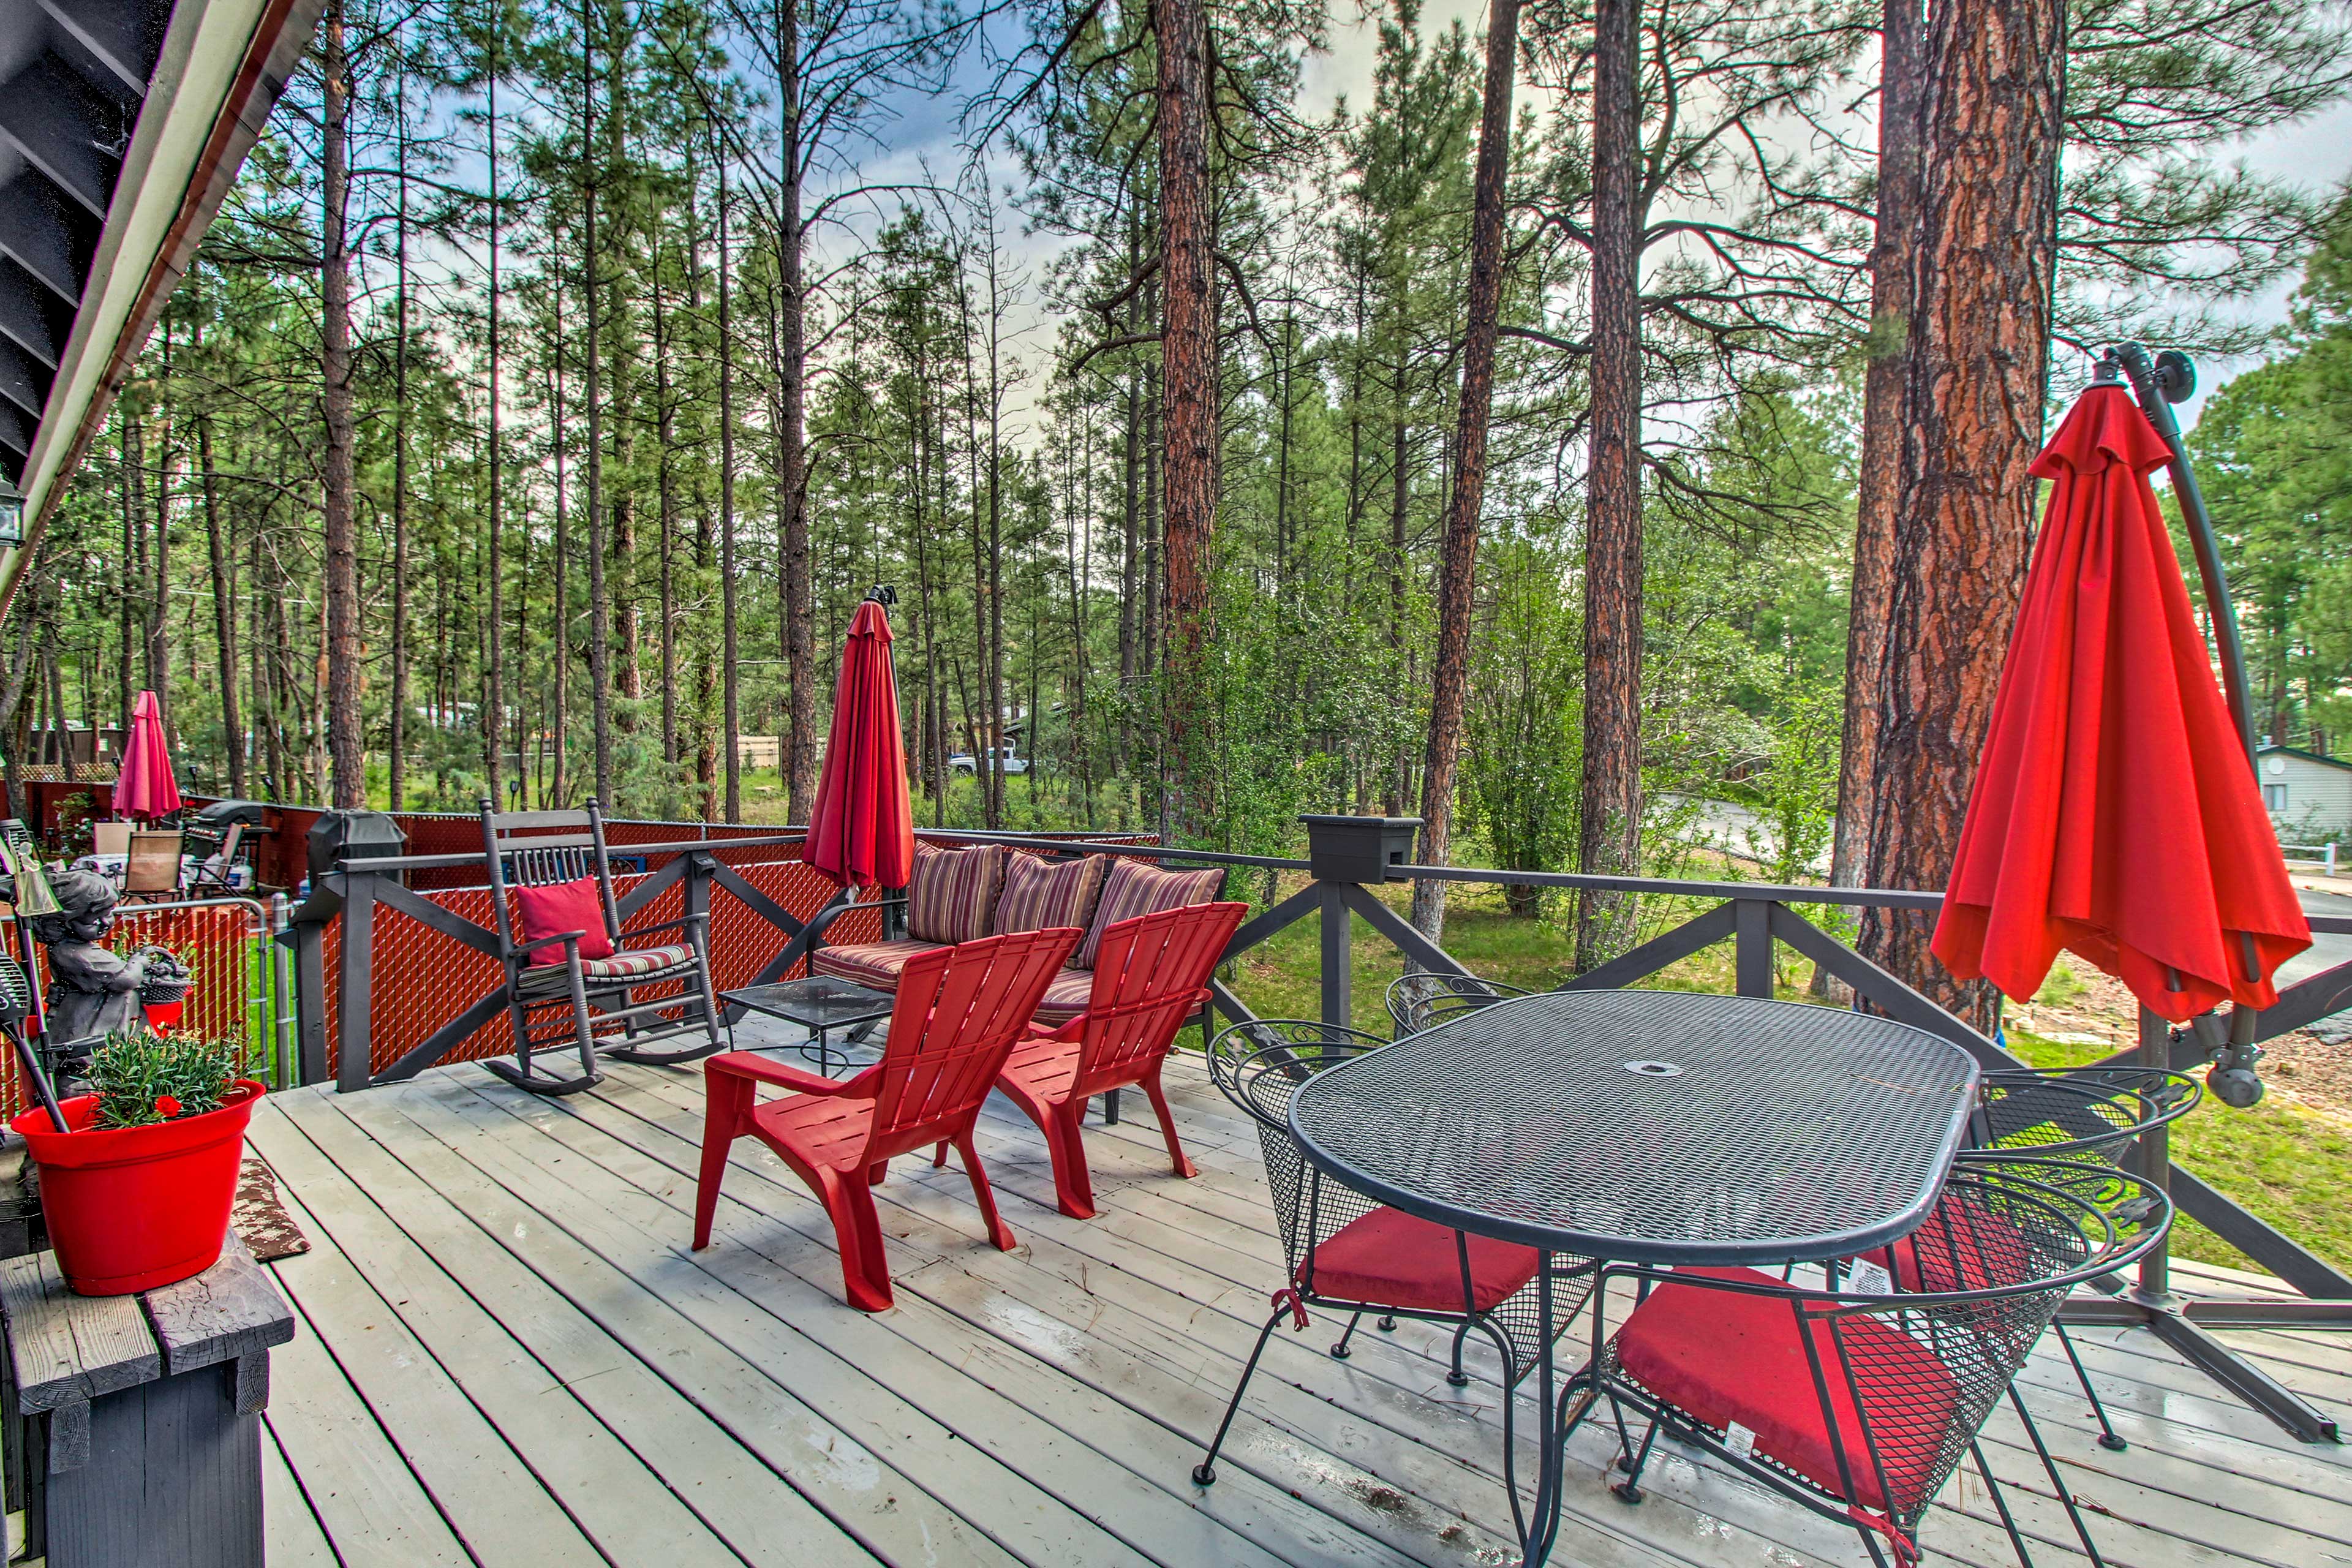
(988, 889)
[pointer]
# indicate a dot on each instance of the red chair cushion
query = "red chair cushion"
(1960, 1250)
(1389, 1258)
(566, 906)
(1724, 1356)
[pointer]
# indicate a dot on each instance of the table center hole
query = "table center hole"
(1656, 1069)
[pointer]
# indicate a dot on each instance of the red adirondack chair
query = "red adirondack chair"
(1150, 975)
(959, 1011)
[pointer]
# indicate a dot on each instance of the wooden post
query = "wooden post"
(352, 1068)
(309, 942)
(1338, 956)
(1751, 937)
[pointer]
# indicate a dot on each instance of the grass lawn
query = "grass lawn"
(2284, 1162)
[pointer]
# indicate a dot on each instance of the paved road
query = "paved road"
(2327, 948)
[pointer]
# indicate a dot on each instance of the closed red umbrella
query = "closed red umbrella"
(144, 785)
(862, 832)
(2114, 814)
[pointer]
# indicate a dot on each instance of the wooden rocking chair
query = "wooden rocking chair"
(556, 860)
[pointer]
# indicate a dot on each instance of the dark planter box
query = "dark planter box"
(1358, 849)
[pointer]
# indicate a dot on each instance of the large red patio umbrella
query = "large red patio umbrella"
(2115, 813)
(144, 786)
(862, 832)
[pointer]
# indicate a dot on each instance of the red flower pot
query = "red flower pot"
(164, 1016)
(131, 1208)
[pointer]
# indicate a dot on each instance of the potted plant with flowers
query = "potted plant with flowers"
(138, 1183)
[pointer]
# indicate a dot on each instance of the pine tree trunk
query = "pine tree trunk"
(158, 657)
(397, 737)
(216, 543)
(1609, 827)
(1189, 398)
(494, 706)
(731, 721)
(798, 632)
(346, 742)
(1458, 565)
(559, 545)
(134, 507)
(600, 607)
(666, 489)
(1879, 479)
(1976, 375)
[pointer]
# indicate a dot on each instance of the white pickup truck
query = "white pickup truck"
(1010, 764)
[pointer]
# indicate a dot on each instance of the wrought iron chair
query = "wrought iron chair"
(1151, 977)
(2079, 1113)
(1424, 999)
(1349, 1253)
(959, 1011)
(1859, 1399)
(586, 996)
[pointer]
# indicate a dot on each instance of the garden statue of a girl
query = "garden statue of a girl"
(93, 990)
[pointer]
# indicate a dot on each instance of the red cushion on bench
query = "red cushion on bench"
(1726, 1356)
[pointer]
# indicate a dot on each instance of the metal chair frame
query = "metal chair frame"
(2112, 1218)
(545, 849)
(2086, 1114)
(1422, 999)
(1251, 1058)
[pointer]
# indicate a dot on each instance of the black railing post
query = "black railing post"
(2155, 1165)
(1751, 946)
(1343, 852)
(310, 999)
(352, 1069)
(1338, 956)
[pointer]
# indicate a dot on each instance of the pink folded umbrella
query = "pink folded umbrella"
(145, 786)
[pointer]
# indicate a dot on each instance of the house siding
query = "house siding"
(2316, 792)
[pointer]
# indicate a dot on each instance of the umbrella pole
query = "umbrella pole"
(2158, 381)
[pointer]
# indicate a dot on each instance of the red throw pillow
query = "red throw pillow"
(567, 906)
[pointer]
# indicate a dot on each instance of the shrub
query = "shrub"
(143, 1078)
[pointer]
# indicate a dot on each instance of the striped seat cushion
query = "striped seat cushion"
(953, 892)
(1040, 894)
(626, 964)
(872, 963)
(1134, 887)
(1066, 997)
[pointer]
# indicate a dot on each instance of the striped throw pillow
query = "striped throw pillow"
(1040, 894)
(1135, 888)
(953, 892)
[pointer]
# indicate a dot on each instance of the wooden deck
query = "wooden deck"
(508, 1355)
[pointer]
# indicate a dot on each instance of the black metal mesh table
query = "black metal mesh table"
(1649, 1127)
(819, 1004)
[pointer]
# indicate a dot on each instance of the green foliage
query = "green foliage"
(2274, 451)
(140, 1076)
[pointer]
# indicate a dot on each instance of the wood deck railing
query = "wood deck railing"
(1344, 862)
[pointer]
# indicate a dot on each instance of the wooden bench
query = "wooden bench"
(133, 1422)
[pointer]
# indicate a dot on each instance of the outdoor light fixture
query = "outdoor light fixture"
(12, 518)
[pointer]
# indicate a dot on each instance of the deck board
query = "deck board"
(507, 1354)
